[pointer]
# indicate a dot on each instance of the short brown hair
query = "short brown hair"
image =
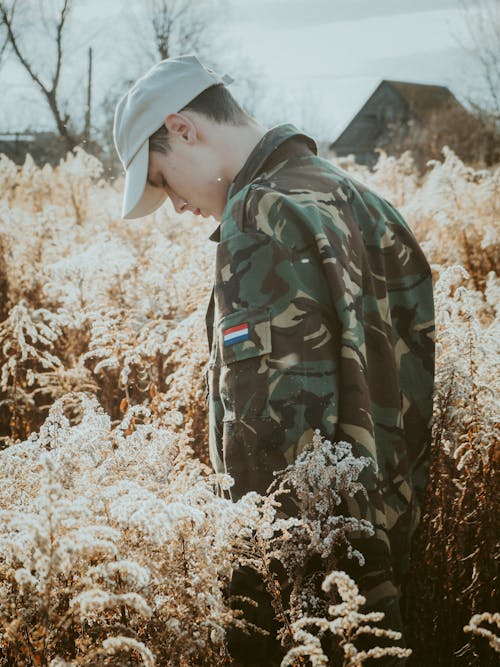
(215, 103)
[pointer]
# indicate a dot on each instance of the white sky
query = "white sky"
(316, 61)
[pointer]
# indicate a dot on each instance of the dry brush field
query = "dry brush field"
(115, 548)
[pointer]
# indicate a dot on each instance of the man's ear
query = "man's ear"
(178, 124)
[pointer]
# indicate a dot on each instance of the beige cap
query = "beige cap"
(166, 88)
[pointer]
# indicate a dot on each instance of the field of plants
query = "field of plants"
(115, 548)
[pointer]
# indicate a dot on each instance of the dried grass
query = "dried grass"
(115, 547)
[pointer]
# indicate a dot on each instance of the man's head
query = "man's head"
(193, 154)
(180, 133)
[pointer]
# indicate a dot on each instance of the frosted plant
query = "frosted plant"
(395, 178)
(23, 243)
(115, 645)
(474, 626)
(301, 528)
(89, 271)
(27, 338)
(8, 179)
(348, 163)
(458, 202)
(348, 624)
(30, 186)
(112, 529)
(27, 173)
(38, 548)
(464, 347)
(136, 294)
(183, 374)
(41, 188)
(108, 342)
(450, 201)
(130, 348)
(21, 332)
(321, 474)
(76, 174)
(457, 524)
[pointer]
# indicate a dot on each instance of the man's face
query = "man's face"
(191, 172)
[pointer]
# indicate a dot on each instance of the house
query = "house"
(42, 146)
(389, 107)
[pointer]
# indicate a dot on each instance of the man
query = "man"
(321, 316)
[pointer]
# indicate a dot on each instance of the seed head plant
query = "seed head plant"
(116, 545)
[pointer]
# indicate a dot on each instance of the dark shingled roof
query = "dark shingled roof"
(423, 98)
(416, 100)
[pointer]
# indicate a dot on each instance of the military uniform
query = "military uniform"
(322, 317)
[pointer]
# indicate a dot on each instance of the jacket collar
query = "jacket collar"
(261, 156)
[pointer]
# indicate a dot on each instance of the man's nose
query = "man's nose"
(178, 202)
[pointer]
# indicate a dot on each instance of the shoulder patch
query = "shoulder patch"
(236, 334)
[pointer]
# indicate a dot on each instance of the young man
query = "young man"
(321, 316)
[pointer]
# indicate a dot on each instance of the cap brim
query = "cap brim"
(140, 198)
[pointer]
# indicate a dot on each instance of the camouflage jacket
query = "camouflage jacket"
(321, 317)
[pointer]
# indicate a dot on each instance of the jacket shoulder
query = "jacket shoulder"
(274, 212)
(291, 209)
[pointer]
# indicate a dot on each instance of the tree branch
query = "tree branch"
(60, 26)
(7, 22)
(50, 93)
(185, 20)
(2, 22)
(483, 24)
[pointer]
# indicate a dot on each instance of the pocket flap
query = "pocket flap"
(244, 334)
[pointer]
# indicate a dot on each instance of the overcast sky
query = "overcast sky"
(316, 61)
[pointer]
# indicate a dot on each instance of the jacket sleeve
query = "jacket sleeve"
(278, 337)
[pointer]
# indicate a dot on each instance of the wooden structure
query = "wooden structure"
(389, 108)
(42, 146)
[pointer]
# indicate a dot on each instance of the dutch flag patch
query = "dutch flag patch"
(235, 334)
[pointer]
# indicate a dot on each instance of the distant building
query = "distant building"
(42, 146)
(390, 106)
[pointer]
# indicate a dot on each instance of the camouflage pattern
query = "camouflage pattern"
(338, 299)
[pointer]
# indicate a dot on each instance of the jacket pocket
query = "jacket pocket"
(245, 346)
(252, 452)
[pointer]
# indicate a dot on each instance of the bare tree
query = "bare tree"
(167, 28)
(483, 25)
(168, 17)
(49, 90)
(199, 26)
(4, 40)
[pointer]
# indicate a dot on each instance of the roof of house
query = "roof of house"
(423, 97)
(420, 97)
